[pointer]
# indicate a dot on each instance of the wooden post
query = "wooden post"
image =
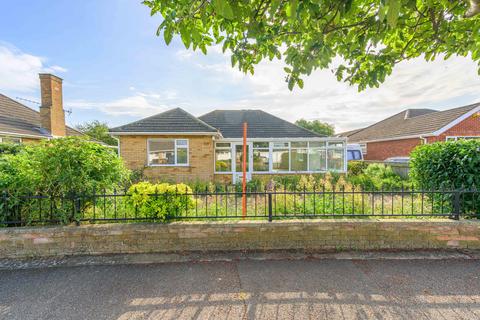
(244, 171)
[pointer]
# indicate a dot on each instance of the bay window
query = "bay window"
(167, 152)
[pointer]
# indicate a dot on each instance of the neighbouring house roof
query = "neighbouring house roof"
(411, 123)
(18, 119)
(260, 125)
(347, 133)
(172, 121)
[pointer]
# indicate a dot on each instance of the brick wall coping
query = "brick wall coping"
(305, 235)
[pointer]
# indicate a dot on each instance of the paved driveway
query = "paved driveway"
(302, 289)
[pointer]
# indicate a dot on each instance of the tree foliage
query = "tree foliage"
(97, 130)
(369, 36)
(317, 126)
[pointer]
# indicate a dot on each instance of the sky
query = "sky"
(116, 70)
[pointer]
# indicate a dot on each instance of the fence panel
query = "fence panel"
(315, 202)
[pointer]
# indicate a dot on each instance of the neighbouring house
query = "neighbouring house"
(175, 145)
(21, 124)
(399, 134)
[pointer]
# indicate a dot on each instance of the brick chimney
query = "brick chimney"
(52, 116)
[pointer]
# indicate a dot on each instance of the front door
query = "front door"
(237, 172)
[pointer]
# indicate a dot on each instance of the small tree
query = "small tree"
(317, 126)
(97, 130)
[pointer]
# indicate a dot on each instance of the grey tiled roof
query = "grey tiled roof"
(260, 125)
(172, 121)
(16, 118)
(348, 133)
(410, 122)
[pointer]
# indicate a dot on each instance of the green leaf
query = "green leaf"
(382, 10)
(291, 83)
(185, 35)
(223, 8)
(168, 35)
(393, 12)
(291, 10)
(300, 83)
(274, 6)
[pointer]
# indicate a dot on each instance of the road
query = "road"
(300, 289)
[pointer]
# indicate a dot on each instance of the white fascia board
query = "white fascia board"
(163, 133)
(281, 139)
(395, 138)
(457, 121)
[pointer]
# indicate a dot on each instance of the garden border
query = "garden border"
(189, 237)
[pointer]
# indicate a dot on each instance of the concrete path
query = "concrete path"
(247, 289)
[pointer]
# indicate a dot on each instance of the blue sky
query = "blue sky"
(116, 70)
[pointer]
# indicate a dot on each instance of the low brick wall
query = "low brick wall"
(318, 235)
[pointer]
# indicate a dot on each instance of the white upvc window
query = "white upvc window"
(363, 146)
(14, 140)
(285, 156)
(167, 152)
(223, 157)
(261, 156)
(456, 138)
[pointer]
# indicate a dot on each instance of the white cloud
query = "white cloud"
(139, 104)
(19, 71)
(413, 84)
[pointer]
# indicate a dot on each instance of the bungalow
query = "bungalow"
(399, 134)
(21, 124)
(176, 145)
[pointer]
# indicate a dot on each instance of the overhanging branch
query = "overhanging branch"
(474, 9)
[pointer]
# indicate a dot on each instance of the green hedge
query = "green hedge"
(446, 165)
(449, 165)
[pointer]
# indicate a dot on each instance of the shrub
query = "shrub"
(10, 148)
(159, 201)
(356, 167)
(446, 165)
(60, 167)
(377, 176)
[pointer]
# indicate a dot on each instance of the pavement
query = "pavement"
(330, 287)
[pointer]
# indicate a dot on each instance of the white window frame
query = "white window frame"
(456, 138)
(215, 157)
(176, 164)
(364, 147)
(271, 143)
(7, 137)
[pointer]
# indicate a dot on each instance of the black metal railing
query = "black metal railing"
(314, 202)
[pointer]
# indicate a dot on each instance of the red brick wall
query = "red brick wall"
(468, 127)
(402, 148)
(396, 148)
